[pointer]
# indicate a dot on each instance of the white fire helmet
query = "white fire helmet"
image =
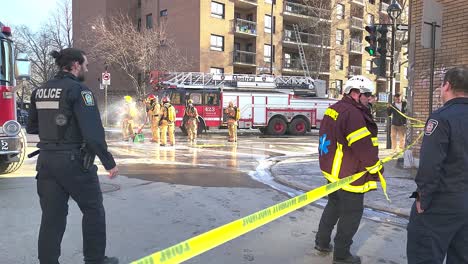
(359, 82)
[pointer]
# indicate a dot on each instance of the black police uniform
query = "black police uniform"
(64, 114)
(442, 180)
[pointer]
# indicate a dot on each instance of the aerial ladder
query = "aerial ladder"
(304, 65)
(299, 84)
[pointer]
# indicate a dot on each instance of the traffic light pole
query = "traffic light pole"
(392, 76)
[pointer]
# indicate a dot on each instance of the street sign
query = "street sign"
(401, 27)
(106, 78)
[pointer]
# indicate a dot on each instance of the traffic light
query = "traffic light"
(372, 40)
(378, 68)
(382, 50)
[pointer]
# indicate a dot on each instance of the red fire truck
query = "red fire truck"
(274, 105)
(12, 138)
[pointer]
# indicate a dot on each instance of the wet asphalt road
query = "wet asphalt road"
(210, 162)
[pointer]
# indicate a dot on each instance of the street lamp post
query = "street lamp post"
(393, 11)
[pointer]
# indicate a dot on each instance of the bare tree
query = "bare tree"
(133, 51)
(60, 25)
(37, 46)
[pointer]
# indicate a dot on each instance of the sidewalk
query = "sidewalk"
(304, 173)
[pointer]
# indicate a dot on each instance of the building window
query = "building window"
(268, 1)
(139, 4)
(370, 19)
(267, 52)
(149, 21)
(217, 42)
(340, 11)
(339, 62)
(339, 86)
(163, 13)
(406, 73)
(215, 70)
(268, 24)
(369, 66)
(339, 37)
(217, 10)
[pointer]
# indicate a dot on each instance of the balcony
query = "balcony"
(244, 58)
(361, 2)
(307, 39)
(354, 70)
(355, 47)
(296, 12)
(245, 28)
(245, 4)
(383, 7)
(357, 23)
(293, 66)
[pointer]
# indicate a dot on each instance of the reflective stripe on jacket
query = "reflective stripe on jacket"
(348, 145)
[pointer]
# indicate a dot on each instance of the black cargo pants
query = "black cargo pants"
(346, 208)
(440, 231)
(59, 177)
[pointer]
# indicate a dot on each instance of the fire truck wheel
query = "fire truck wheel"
(297, 127)
(277, 126)
(13, 166)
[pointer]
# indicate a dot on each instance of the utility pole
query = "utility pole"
(392, 81)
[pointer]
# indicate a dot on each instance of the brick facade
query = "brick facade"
(452, 52)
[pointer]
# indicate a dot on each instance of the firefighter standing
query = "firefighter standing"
(347, 145)
(191, 121)
(153, 111)
(167, 122)
(130, 113)
(438, 224)
(65, 115)
(232, 113)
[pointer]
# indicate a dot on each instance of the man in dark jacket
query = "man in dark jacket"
(438, 226)
(398, 122)
(65, 115)
(348, 145)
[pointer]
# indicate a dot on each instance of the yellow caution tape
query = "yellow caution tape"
(419, 124)
(197, 245)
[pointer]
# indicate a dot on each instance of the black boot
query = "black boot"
(324, 250)
(110, 260)
(350, 259)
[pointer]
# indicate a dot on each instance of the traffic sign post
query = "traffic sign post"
(106, 82)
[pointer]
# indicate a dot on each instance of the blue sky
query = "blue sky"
(32, 13)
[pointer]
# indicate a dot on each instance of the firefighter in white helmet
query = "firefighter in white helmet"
(347, 145)
(233, 116)
(191, 121)
(153, 111)
(167, 122)
(129, 114)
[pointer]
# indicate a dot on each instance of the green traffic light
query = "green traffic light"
(371, 52)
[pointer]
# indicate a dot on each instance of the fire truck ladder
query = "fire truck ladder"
(199, 79)
(302, 57)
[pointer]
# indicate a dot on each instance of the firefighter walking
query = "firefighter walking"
(167, 122)
(347, 145)
(233, 116)
(153, 111)
(130, 113)
(191, 121)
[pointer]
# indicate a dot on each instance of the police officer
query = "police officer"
(65, 115)
(438, 225)
(167, 122)
(347, 146)
(191, 121)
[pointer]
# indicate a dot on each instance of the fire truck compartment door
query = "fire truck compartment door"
(259, 110)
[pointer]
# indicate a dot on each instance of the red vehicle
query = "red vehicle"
(274, 105)
(12, 138)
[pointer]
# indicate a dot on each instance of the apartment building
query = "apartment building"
(256, 36)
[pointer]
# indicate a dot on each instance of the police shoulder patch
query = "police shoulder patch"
(88, 98)
(431, 126)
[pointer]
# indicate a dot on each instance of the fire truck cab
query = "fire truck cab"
(12, 137)
(275, 105)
